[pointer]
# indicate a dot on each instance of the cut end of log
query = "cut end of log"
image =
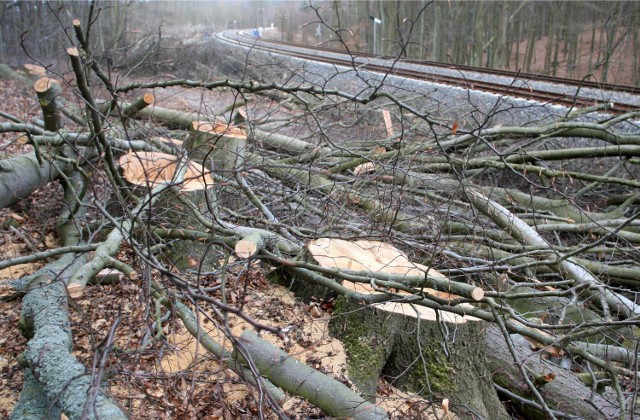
(73, 52)
(218, 128)
(364, 168)
(76, 22)
(240, 116)
(152, 169)
(148, 98)
(35, 70)
(43, 85)
(477, 294)
(246, 249)
(75, 290)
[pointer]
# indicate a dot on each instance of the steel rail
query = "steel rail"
(394, 66)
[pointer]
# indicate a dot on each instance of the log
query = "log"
(248, 246)
(295, 377)
(35, 70)
(178, 120)
(565, 392)
(131, 110)
(48, 90)
(63, 379)
(33, 403)
(225, 145)
(22, 175)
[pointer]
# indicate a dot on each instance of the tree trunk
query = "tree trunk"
(22, 175)
(560, 388)
(420, 356)
(285, 371)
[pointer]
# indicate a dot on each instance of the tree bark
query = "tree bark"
(22, 175)
(418, 356)
(328, 394)
(564, 392)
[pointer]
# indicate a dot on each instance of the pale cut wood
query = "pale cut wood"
(387, 122)
(75, 290)
(218, 128)
(35, 70)
(246, 249)
(44, 84)
(364, 168)
(250, 244)
(153, 168)
(134, 108)
(111, 275)
(380, 257)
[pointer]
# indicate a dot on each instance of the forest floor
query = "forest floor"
(170, 376)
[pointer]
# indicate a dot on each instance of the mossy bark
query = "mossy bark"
(436, 360)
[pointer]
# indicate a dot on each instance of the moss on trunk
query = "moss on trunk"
(434, 359)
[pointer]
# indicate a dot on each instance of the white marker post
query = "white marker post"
(376, 21)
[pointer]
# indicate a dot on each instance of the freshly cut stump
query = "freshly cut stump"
(221, 148)
(436, 354)
(151, 169)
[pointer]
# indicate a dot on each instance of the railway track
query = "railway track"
(617, 99)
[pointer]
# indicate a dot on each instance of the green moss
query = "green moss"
(365, 358)
(26, 328)
(364, 345)
(439, 376)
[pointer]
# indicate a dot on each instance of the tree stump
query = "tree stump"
(221, 148)
(435, 354)
(150, 169)
(434, 359)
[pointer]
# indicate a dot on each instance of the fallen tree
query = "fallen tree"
(473, 222)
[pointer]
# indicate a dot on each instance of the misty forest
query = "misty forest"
(319, 209)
